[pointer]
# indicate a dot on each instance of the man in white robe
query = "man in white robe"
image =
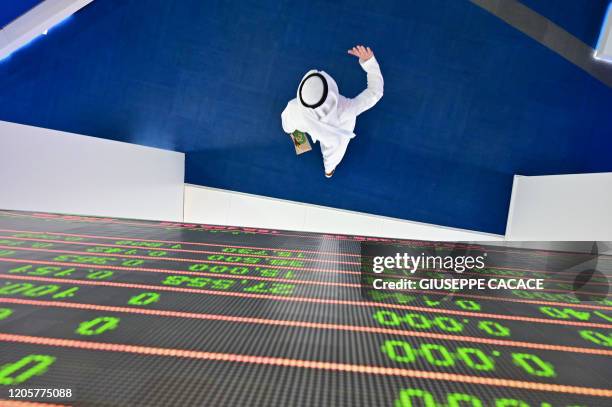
(327, 116)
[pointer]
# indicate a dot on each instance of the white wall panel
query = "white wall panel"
(215, 206)
(54, 171)
(561, 207)
(603, 49)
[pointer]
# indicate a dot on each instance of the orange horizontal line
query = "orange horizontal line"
(155, 270)
(357, 263)
(205, 227)
(176, 242)
(303, 364)
(189, 273)
(224, 245)
(226, 263)
(306, 324)
(181, 250)
(275, 232)
(309, 299)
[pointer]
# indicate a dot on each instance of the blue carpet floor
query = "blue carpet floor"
(469, 100)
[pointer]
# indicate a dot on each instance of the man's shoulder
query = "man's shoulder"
(292, 106)
(344, 105)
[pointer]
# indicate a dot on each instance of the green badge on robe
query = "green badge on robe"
(300, 142)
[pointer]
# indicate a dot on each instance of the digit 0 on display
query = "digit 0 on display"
(414, 397)
(472, 358)
(446, 324)
(25, 368)
(97, 326)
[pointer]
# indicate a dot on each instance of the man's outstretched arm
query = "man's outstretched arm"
(372, 94)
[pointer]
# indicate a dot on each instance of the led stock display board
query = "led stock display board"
(106, 311)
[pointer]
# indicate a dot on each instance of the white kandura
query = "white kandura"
(332, 123)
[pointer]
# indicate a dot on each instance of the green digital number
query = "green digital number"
(603, 316)
(67, 293)
(175, 280)
(566, 313)
(460, 400)
(476, 359)
(97, 326)
(468, 305)
(595, 337)
(417, 321)
(533, 365)
(5, 313)
(41, 290)
(399, 351)
(437, 355)
(493, 328)
(409, 397)
(100, 249)
(144, 244)
(387, 318)
(510, 403)
(430, 303)
(43, 271)
(99, 274)
(226, 269)
(9, 375)
(413, 397)
(15, 288)
(21, 269)
(273, 288)
(222, 284)
(157, 253)
(132, 263)
(30, 290)
(144, 299)
(41, 245)
(198, 267)
(448, 324)
(234, 259)
(243, 251)
(473, 358)
(11, 242)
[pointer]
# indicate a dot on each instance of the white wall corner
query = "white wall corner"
(515, 180)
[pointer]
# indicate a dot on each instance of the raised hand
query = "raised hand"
(363, 53)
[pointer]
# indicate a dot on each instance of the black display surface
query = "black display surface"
(130, 312)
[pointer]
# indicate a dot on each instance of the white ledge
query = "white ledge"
(35, 22)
